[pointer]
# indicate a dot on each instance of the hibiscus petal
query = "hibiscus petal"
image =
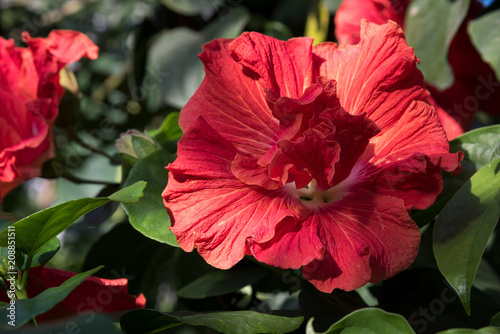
(97, 294)
(295, 245)
(93, 295)
(406, 161)
(454, 124)
(367, 237)
(378, 76)
(285, 67)
(351, 12)
(66, 46)
(210, 208)
(232, 102)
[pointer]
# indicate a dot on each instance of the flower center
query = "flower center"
(311, 196)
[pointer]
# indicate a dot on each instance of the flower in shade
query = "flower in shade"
(29, 94)
(92, 295)
(474, 79)
(308, 157)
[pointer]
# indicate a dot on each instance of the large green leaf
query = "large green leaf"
(429, 28)
(368, 321)
(149, 215)
(36, 230)
(484, 330)
(464, 226)
(168, 133)
(484, 35)
(27, 309)
(43, 255)
(77, 325)
(220, 282)
(495, 321)
(192, 7)
(174, 57)
(168, 130)
(479, 147)
(239, 322)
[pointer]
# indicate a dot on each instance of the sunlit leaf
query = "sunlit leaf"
(479, 147)
(484, 35)
(429, 28)
(318, 21)
(464, 226)
(130, 194)
(368, 321)
(149, 215)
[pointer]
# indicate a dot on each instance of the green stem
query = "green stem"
(3, 285)
(70, 177)
(80, 142)
(22, 294)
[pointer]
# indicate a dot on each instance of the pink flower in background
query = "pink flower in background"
(472, 74)
(94, 294)
(30, 93)
(308, 157)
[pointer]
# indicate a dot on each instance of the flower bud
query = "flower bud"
(134, 145)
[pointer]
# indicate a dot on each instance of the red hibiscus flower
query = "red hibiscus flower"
(308, 157)
(475, 81)
(93, 295)
(29, 94)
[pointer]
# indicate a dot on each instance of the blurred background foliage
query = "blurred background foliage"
(147, 69)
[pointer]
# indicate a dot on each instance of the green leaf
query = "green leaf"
(332, 5)
(169, 129)
(484, 35)
(495, 321)
(430, 33)
(36, 230)
(43, 255)
(463, 228)
(130, 194)
(220, 282)
(91, 324)
(318, 21)
(146, 321)
(239, 322)
(479, 147)
(27, 309)
(368, 321)
(192, 7)
(423, 217)
(174, 56)
(484, 330)
(149, 215)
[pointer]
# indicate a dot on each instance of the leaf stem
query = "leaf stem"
(3, 285)
(22, 294)
(70, 177)
(80, 142)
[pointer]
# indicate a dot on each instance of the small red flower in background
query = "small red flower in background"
(93, 295)
(29, 94)
(473, 77)
(308, 157)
